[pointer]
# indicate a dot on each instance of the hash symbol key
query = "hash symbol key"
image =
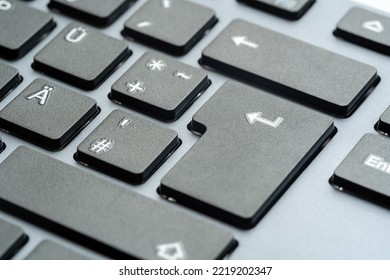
(128, 147)
(253, 146)
(81, 56)
(47, 114)
(160, 86)
(173, 26)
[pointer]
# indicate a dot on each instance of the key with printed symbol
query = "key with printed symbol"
(383, 124)
(81, 56)
(127, 147)
(25, 27)
(247, 156)
(365, 171)
(102, 216)
(365, 28)
(289, 9)
(159, 86)
(173, 26)
(12, 238)
(293, 69)
(96, 12)
(9, 79)
(49, 250)
(47, 114)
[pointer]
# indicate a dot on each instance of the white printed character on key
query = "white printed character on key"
(5, 5)
(42, 95)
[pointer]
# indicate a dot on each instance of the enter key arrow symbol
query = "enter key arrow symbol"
(256, 117)
(242, 40)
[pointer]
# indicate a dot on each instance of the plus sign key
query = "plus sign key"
(159, 86)
(365, 28)
(47, 114)
(253, 146)
(127, 147)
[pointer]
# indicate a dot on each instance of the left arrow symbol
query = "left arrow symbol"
(242, 40)
(144, 24)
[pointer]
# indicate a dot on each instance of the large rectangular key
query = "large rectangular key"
(291, 68)
(112, 220)
(255, 145)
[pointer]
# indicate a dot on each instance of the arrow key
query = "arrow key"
(365, 28)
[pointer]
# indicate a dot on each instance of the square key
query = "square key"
(81, 56)
(127, 147)
(25, 27)
(9, 78)
(160, 86)
(173, 26)
(96, 12)
(47, 114)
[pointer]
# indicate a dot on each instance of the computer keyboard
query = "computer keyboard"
(172, 129)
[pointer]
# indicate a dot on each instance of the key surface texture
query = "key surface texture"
(81, 56)
(47, 114)
(160, 86)
(49, 250)
(248, 154)
(366, 170)
(290, 68)
(365, 28)
(173, 26)
(22, 27)
(128, 147)
(103, 216)
(9, 78)
(12, 238)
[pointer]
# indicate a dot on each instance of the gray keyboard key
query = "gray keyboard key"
(81, 56)
(96, 12)
(2, 145)
(173, 26)
(291, 68)
(365, 28)
(365, 171)
(25, 27)
(103, 216)
(383, 124)
(47, 114)
(9, 79)
(256, 144)
(160, 86)
(12, 238)
(48, 250)
(290, 9)
(127, 147)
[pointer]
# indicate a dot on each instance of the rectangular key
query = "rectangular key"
(49, 250)
(101, 215)
(255, 145)
(291, 68)
(289, 9)
(96, 12)
(365, 28)
(22, 27)
(12, 238)
(383, 124)
(9, 78)
(365, 171)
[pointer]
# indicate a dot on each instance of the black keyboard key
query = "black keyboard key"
(96, 12)
(22, 28)
(81, 56)
(47, 114)
(102, 216)
(12, 238)
(365, 28)
(290, 9)
(366, 169)
(48, 250)
(173, 26)
(128, 147)
(256, 144)
(291, 68)
(9, 79)
(383, 124)
(160, 86)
